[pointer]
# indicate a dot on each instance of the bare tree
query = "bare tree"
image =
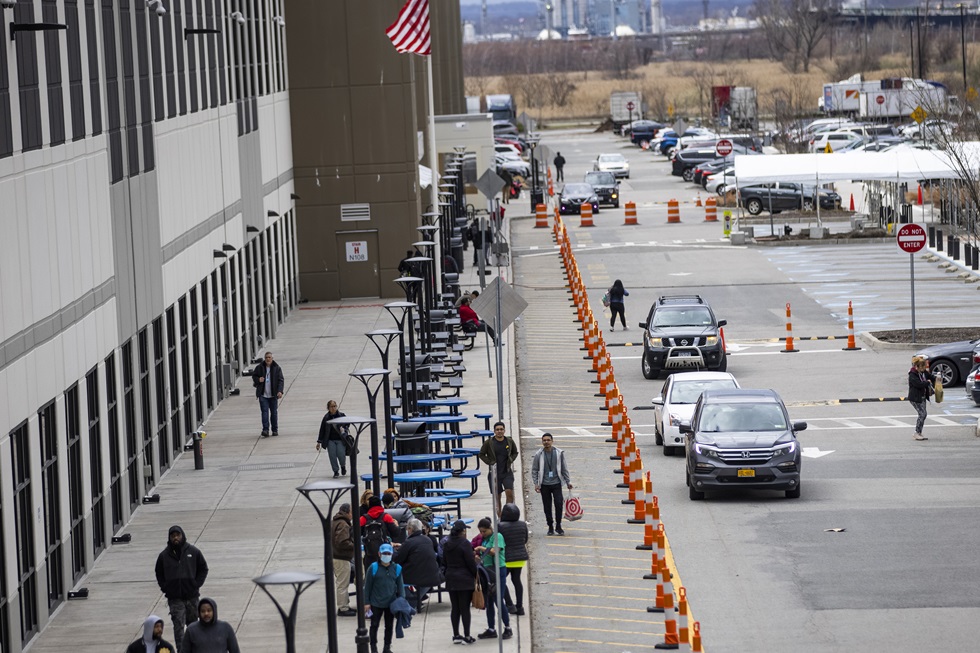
(560, 88)
(787, 105)
(794, 29)
(703, 77)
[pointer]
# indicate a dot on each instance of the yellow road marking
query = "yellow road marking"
(585, 618)
(603, 607)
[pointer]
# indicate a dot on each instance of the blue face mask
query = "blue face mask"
(385, 557)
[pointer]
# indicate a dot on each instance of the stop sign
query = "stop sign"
(880, 99)
(723, 147)
(911, 238)
(630, 106)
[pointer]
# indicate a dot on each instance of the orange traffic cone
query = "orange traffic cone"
(698, 202)
(919, 199)
(852, 201)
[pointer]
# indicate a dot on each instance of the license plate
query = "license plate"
(685, 354)
(746, 473)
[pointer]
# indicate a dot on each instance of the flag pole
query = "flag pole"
(434, 187)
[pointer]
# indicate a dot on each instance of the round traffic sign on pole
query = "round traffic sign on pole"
(723, 147)
(880, 99)
(911, 238)
(630, 106)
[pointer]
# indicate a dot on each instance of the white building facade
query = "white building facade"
(147, 206)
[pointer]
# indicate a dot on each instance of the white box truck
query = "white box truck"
(888, 103)
(619, 107)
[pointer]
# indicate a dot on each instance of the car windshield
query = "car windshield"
(577, 189)
(722, 418)
(612, 158)
(600, 178)
(680, 317)
(687, 392)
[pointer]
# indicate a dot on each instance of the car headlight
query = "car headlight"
(711, 340)
(706, 451)
(784, 449)
(615, 195)
(674, 420)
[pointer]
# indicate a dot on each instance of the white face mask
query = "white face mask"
(386, 557)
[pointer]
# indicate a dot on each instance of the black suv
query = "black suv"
(741, 439)
(605, 186)
(682, 334)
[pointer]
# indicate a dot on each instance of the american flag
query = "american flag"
(410, 33)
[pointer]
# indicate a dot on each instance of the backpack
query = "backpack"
(375, 534)
(423, 514)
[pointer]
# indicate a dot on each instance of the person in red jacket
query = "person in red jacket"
(471, 322)
(377, 528)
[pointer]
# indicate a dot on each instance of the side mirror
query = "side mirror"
(799, 426)
(722, 323)
(643, 325)
(657, 401)
(685, 428)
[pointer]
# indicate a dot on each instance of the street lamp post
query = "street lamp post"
(399, 311)
(332, 490)
(358, 424)
(382, 339)
(421, 295)
(300, 581)
(365, 376)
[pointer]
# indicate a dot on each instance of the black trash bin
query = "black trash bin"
(411, 438)
(537, 197)
(422, 375)
(456, 244)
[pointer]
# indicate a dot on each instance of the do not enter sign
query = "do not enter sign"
(723, 147)
(911, 238)
(630, 106)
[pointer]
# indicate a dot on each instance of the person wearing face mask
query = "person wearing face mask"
(209, 634)
(331, 438)
(383, 584)
(152, 640)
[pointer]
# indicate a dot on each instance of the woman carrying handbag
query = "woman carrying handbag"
(461, 579)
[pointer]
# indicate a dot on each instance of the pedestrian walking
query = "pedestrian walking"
(548, 473)
(514, 530)
(152, 640)
(493, 556)
(559, 167)
(617, 305)
(181, 571)
(268, 381)
(481, 239)
(508, 180)
(417, 556)
(499, 453)
(460, 571)
(332, 438)
(922, 385)
(342, 538)
(209, 634)
(383, 583)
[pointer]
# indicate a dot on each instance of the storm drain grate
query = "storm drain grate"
(257, 466)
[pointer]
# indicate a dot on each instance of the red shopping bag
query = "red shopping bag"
(573, 508)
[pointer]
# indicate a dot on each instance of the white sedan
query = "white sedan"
(617, 164)
(676, 403)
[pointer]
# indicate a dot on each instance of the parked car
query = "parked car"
(675, 403)
(605, 186)
(681, 333)
(615, 163)
(785, 196)
(835, 139)
(651, 126)
(741, 439)
(952, 361)
(972, 382)
(574, 195)
(508, 150)
(718, 180)
(513, 166)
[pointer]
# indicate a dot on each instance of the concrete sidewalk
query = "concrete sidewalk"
(243, 510)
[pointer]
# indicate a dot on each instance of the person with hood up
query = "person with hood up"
(342, 537)
(377, 528)
(181, 571)
(152, 640)
(209, 634)
(514, 530)
(383, 583)
(417, 556)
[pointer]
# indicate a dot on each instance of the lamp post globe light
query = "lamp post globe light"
(366, 376)
(332, 490)
(357, 424)
(300, 582)
(382, 339)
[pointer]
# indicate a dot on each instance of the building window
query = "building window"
(24, 521)
(112, 92)
(145, 115)
(216, 60)
(95, 463)
(156, 56)
(130, 426)
(129, 88)
(112, 427)
(92, 43)
(208, 308)
(175, 430)
(30, 91)
(75, 82)
(196, 349)
(52, 64)
(51, 488)
(4, 618)
(76, 492)
(192, 44)
(146, 403)
(160, 380)
(236, 336)
(185, 359)
(6, 119)
(179, 41)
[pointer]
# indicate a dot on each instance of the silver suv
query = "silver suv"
(741, 439)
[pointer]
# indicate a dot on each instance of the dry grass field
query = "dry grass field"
(678, 88)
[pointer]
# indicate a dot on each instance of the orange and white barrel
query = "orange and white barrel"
(711, 210)
(586, 215)
(673, 212)
(630, 214)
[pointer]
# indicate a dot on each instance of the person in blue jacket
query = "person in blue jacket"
(383, 583)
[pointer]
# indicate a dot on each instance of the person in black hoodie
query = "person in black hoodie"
(921, 387)
(269, 385)
(417, 556)
(152, 640)
(460, 570)
(331, 438)
(209, 634)
(514, 530)
(181, 571)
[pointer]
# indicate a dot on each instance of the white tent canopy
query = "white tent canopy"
(902, 164)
